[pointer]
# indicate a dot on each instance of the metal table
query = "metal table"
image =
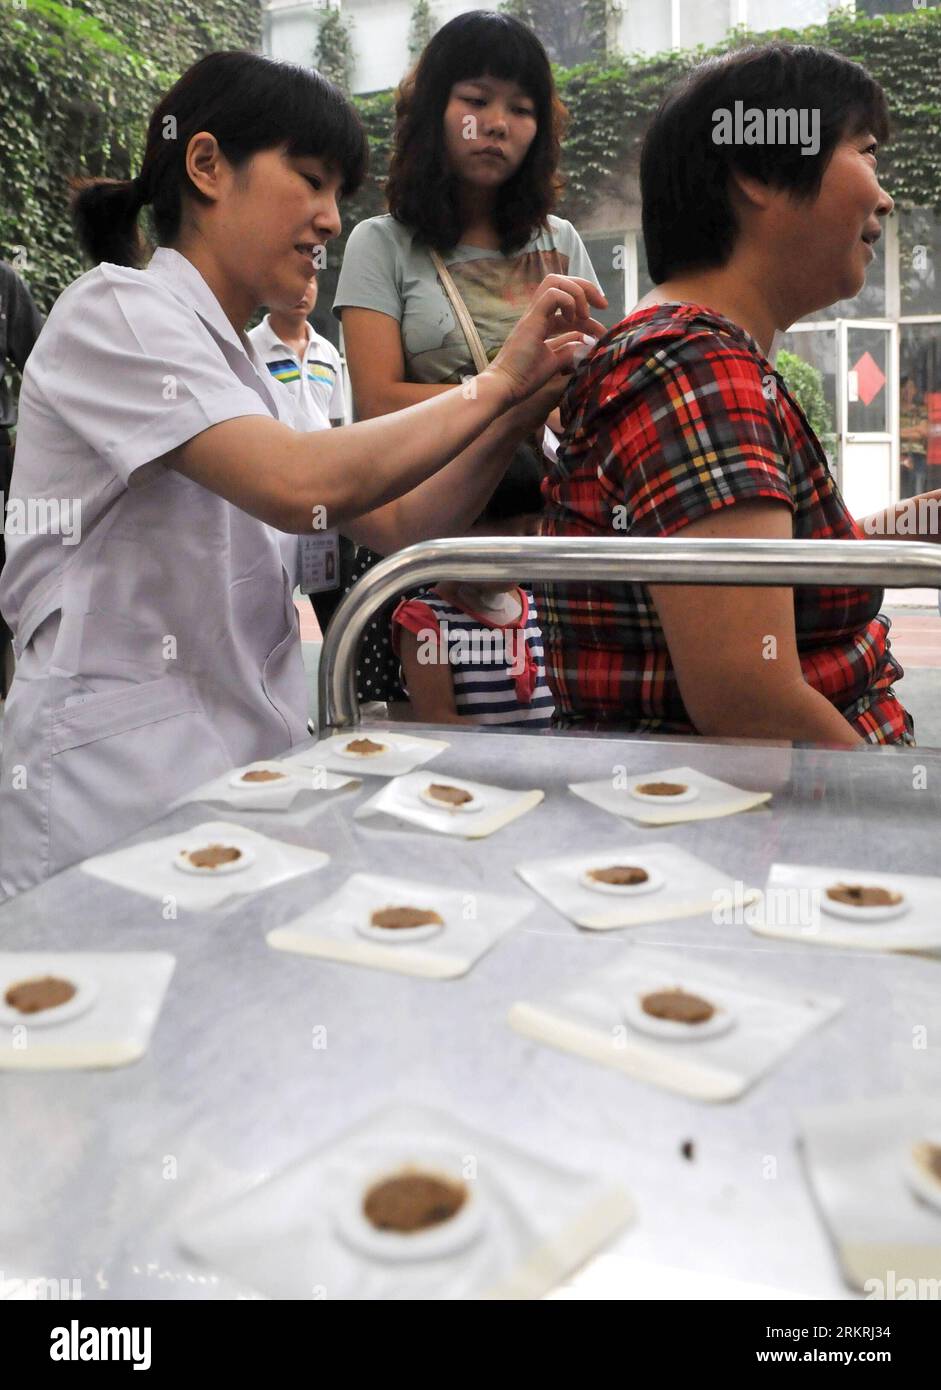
(101, 1169)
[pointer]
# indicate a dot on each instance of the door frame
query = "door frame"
(888, 436)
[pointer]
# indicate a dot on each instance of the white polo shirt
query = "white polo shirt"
(316, 384)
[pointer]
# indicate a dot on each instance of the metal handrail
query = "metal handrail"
(908, 564)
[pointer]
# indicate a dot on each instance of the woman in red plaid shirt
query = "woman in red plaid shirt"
(677, 421)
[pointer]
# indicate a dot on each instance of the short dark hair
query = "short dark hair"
(421, 191)
(249, 103)
(688, 218)
(519, 492)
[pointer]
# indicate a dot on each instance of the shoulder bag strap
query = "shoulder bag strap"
(468, 326)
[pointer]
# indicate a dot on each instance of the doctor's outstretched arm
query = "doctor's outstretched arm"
(354, 473)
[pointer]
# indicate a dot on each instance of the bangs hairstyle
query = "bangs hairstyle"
(421, 190)
(249, 103)
(688, 217)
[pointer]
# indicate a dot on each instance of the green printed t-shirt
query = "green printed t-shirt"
(386, 269)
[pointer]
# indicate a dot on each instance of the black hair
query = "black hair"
(421, 190)
(519, 492)
(688, 218)
(249, 103)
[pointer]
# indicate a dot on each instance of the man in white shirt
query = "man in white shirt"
(308, 365)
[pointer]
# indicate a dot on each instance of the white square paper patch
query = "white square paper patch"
(627, 886)
(667, 798)
(268, 786)
(869, 1166)
(522, 1224)
(230, 860)
(373, 751)
(475, 811)
(860, 909)
(751, 1025)
(342, 927)
(106, 1020)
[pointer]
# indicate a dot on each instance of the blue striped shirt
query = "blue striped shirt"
(498, 672)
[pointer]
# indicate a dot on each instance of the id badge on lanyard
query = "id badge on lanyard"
(320, 562)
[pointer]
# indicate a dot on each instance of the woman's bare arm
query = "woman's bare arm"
(300, 482)
(734, 650)
(452, 499)
(430, 684)
(372, 342)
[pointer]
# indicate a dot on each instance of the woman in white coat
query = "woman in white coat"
(161, 480)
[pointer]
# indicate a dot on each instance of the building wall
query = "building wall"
(651, 26)
(380, 27)
(289, 32)
(379, 31)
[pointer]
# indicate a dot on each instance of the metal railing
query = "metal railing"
(904, 564)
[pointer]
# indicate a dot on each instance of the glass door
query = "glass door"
(919, 405)
(867, 356)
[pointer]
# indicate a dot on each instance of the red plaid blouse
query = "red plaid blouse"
(675, 414)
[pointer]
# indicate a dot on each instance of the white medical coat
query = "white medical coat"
(163, 647)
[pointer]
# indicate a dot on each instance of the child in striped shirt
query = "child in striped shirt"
(472, 653)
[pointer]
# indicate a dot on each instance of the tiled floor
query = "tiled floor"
(916, 637)
(912, 598)
(916, 644)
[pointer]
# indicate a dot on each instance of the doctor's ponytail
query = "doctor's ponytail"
(105, 213)
(249, 103)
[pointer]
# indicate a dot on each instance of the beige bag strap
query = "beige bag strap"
(468, 326)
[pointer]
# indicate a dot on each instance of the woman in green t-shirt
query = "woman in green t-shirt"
(473, 176)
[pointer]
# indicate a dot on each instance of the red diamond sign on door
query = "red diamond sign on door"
(869, 377)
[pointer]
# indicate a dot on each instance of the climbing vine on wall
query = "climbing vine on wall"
(333, 54)
(421, 27)
(78, 82)
(610, 108)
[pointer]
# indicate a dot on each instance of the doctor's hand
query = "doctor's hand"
(550, 337)
(540, 408)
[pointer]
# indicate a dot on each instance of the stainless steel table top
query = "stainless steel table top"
(99, 1170)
